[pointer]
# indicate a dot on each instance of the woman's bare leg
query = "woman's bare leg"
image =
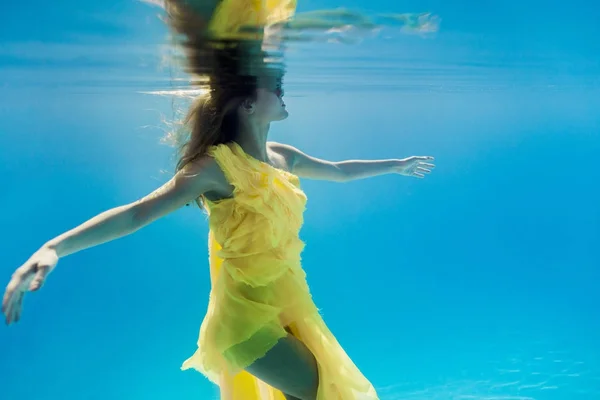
(290, 367)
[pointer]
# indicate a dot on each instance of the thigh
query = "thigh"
(290, 367)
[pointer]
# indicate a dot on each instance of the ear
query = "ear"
(248, 106)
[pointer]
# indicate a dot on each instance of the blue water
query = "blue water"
(478, 282)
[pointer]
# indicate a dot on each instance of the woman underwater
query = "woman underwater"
(262, 337)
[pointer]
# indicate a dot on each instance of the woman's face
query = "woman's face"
(269, 105)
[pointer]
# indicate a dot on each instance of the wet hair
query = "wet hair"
(212, 119)
(223, 68)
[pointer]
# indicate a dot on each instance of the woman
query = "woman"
(262, 336)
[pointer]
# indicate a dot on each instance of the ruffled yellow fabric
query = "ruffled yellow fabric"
(259, 287)
(232, 16)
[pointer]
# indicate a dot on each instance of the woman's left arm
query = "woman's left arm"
(306, 166)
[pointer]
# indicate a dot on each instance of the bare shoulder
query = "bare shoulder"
(281, 148)
(194, 179)
(205, 169)
(286, 152)
(197, 178)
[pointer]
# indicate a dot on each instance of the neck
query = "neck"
(252, 138)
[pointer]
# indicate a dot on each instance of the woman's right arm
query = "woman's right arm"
(186, 186)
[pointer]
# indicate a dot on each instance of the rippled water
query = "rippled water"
(449, 63)
(514, 367)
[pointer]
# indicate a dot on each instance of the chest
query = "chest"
(271, 185)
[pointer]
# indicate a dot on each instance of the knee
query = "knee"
(301, 396)
(307, 390)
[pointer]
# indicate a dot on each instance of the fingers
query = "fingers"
(18, 307)
(6, 298)
(39, 278)
(13, 296)
(11, 305)
(29, 277)
(13, 313)
(420, 172)
(419, 169)
(11, 290)
(7, 306)
(420, 159)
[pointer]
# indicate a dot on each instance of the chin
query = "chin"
(283, 115)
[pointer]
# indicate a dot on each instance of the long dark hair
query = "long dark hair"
(215, 65)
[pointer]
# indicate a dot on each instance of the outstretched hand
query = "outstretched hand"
(28, 277)
(416, 166)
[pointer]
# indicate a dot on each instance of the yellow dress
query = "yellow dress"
(258, 286)
(231, 16)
